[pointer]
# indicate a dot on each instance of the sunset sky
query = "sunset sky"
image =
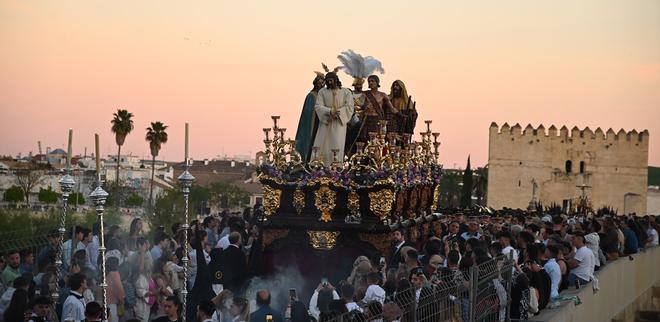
(226, 66)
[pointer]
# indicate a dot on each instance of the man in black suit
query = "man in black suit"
(399, 241)
(201, 290)
(235, 264)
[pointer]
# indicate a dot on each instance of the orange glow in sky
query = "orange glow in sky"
(226, 66)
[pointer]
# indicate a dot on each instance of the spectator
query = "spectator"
(263, 308)
(40, 309)
(11, 271)
(610, 240)
(652, 233)
(17, 307)
(115, 290)
(374, 292)
(222, 304)
(321, 299)
(27, 262)
(553, 269)
(93, 312)
(348, 293)
(239, 309)
(631, 243)
(582, 264)
(172, 309)
(74, 305)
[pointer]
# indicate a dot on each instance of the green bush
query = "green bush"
(76, 198)
(47, 195)
(14, 194)
(135, 200)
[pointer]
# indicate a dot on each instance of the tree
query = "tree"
(27, 179)
(228, 195)
(135, 200)
(156, 136)
(76, 198)
(122, 125)
(449, 189)
(466, 194)
(47, 195)
(14, 194)
(481, 185)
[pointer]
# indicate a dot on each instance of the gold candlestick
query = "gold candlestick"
(275, 118)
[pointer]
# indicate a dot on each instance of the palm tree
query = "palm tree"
(156, 136)
(122, 125)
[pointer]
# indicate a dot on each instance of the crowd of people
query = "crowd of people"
(417, 280)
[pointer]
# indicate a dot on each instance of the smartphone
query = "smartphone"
(292, 293)
(382, 261)
(324, 281)
(269, 318)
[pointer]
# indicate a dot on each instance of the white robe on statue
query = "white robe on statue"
(331, 134)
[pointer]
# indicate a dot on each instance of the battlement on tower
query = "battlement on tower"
(567, 135)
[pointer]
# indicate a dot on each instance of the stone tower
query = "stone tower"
(610, 168)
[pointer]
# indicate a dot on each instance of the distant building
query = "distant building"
(653, 196)
(207, 171)
(609, 168)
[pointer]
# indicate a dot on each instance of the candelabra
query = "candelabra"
(186, 179)
(382, 151)
(98, 197)
(66, 186)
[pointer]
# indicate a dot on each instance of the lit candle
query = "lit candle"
(186, 159)
(68, 153)
(98, 156)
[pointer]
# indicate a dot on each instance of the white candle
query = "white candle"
(98, 156)
(68, 153)
(186, 159)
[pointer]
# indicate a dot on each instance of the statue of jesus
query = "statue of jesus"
(334, 108)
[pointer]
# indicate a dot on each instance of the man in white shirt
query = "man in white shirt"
(592, 241)
(74, 305)
(552, 268)
(582, 264)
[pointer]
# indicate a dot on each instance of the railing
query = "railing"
(481, 294)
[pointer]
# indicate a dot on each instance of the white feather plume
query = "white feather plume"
(357, 66)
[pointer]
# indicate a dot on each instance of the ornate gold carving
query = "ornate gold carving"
(324, 240)
(380, 241)
(436, 197)
(380, 203)
(353, 202)
(271, 235)
(424, 197)
(325, 200)
(414, 233)
(299, 200)
(400, 202)
(272, 198)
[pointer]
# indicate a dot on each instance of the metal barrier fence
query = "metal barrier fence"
(31, 238)
(481, 294)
